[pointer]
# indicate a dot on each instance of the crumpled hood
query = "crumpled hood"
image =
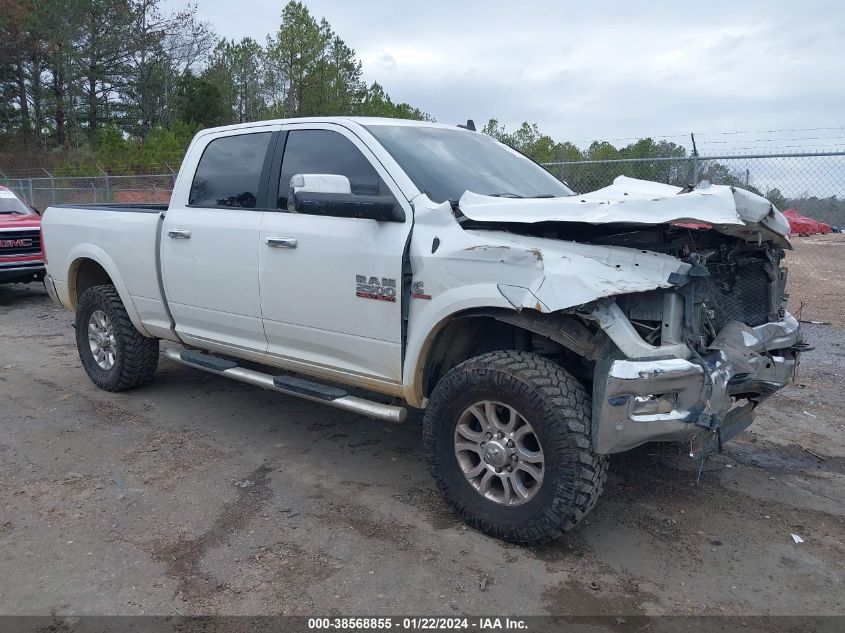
(728, 210)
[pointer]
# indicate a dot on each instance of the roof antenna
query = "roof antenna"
(469, 126)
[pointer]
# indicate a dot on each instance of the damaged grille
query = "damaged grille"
(739, 293)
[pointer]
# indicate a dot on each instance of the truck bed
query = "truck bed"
(124, 239)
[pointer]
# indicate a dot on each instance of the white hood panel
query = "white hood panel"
(628, 200)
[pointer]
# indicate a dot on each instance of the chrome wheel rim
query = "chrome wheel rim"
(499, 453)
(101, 339)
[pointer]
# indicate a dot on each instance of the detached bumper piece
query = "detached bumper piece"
(704, 401)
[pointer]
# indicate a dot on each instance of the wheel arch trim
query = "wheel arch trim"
(83, 252)
(419, 346)
(561, 328)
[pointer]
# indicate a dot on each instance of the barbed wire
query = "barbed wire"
(797, 129)
(772, 140)
(781, 147)
(686, 135)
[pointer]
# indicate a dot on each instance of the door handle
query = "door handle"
(282, 242)
(179, 234)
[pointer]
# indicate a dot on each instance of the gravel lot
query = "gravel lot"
(201, 495)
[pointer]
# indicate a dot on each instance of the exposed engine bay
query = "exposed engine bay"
(667, 303)
(729, 280)
(692, 359)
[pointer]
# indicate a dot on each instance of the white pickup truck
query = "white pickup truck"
(540, 329)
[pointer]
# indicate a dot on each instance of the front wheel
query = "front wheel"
(115, 355)
(507, 439)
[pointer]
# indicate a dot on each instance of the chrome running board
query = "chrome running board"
(289, 385)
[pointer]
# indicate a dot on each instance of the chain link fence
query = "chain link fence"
(814, 184)
(43, 192)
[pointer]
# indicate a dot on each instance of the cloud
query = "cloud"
(386, 62)
(591, 70)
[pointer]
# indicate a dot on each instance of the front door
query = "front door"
(331, 286)
(209, 243)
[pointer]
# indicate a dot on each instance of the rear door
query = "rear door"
(331, 286)
(209, 242)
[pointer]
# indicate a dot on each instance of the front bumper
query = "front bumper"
(21, 271)
(704, 401)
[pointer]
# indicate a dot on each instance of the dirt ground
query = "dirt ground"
(198, 495)
(817, 278)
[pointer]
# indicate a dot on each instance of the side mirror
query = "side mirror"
(346, 205)
(331, 195)
(318, 183)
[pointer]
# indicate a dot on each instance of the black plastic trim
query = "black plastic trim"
(308, 388)
(262, 199)
(207, 361)
(276, 172)
(116, 206)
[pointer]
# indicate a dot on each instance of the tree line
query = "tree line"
(94, 84)
(85, 82)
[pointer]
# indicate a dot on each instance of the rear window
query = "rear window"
(229, 172)
(10, 203)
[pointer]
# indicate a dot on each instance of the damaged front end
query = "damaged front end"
(699, 357)
(703, 343)
(705, 400)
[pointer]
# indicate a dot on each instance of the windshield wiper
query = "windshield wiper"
(508, 194)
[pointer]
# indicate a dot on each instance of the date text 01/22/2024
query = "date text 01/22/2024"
(418, 623)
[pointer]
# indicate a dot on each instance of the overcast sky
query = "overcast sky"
(596, 69)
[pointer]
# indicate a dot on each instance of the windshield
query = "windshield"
(9, 203)
(444, 163)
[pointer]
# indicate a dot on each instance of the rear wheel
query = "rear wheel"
(507, 439)
(115, 355)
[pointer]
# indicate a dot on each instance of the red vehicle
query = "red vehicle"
(801, 225)
(21, 255)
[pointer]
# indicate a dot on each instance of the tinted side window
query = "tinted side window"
(326, 152)
(229, 172)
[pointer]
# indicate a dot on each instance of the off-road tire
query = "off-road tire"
(136, 356)
(558, 408)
